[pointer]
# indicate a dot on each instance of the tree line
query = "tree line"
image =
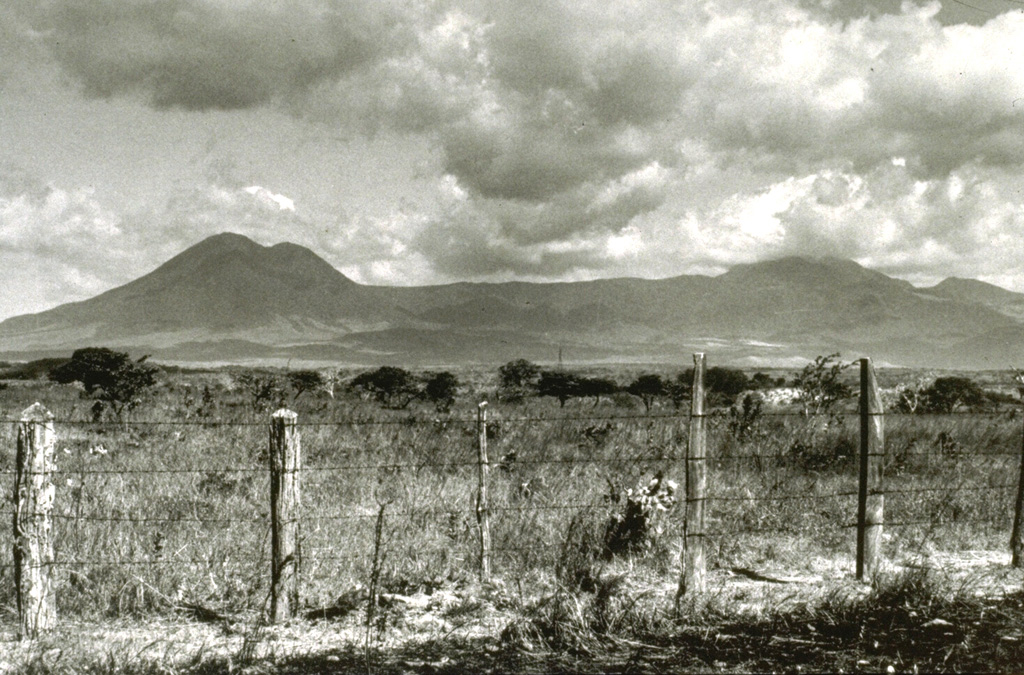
(118, 384)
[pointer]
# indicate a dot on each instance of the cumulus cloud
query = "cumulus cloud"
(969, 223)
(802, 91)
(208, 54)
(581, 138)
(49, 241)
(62, 244)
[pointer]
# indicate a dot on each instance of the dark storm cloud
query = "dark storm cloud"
(200, 54)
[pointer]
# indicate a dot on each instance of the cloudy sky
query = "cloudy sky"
(429, 141)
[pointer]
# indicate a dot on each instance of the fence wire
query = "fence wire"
(183, 506)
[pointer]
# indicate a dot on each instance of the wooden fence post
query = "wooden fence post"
(870, 493)
(33, 525)
(692, 580)
(1017, 536)
(285, 463)
(482, 510)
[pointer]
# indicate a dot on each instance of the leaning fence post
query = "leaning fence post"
(33, 503)
(692, 580)
(870, 493)
(482, 510)
(285, 463)
(1017, 536)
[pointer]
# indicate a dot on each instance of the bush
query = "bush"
(597, 387)
(947, 394)
(629, 531)
(517, 379)
(820, 385)
(302, 381)
(392, 387)
(264, 389)
(647, 387)
(440, 390)
(112, 378)
(558, 384)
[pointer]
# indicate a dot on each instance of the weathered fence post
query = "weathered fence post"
(285, 463)
(1017, 536)
(692, 580)
(33, 525)
(482, 510)
(870, 493)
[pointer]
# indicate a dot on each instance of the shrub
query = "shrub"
(726, 383)
(820, 385)
(745, 419)
(629, 530)
(392, 387)
(440, 390)
(112, 378)
(558, 384)
(264, 389)
(517, 379)
(596, 387)
(302, 381)
(947, 394)
(647, 387)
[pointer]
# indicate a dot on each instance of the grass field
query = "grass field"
(164, 517)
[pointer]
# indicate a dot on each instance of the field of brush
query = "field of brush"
(164, 517)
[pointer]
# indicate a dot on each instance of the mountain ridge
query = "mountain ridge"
(228, 297)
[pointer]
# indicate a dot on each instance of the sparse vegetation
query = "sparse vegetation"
(648, 387)
(112, 378)
(581, 518)
(517, 380)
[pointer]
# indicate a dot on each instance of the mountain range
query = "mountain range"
(229, 299)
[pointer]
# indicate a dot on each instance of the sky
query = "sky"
(417, 142)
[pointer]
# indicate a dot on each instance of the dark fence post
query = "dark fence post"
(33, 524)
(692, 580)
(870, 494)
(285, 462)
(482, 509)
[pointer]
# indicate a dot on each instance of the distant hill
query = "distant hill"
(978, 292)
(228, 298)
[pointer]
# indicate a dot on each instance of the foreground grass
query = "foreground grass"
(907, 622)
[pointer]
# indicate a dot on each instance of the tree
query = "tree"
(597, 387)
(110, 377)
(302, 381)
(264, 389)
(559, 384)
(440, 390)
(728, 383)
(648, 387)
(722, 384)
(392, 387)
(517, 379)
(679, 389)
(820, 386)
(947, 394)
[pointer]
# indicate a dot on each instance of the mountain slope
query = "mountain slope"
(978, 292)
(224, 286)
(228, 297)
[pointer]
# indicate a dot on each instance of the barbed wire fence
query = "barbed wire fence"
(116, 518)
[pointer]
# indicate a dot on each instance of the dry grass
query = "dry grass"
(169, 523)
